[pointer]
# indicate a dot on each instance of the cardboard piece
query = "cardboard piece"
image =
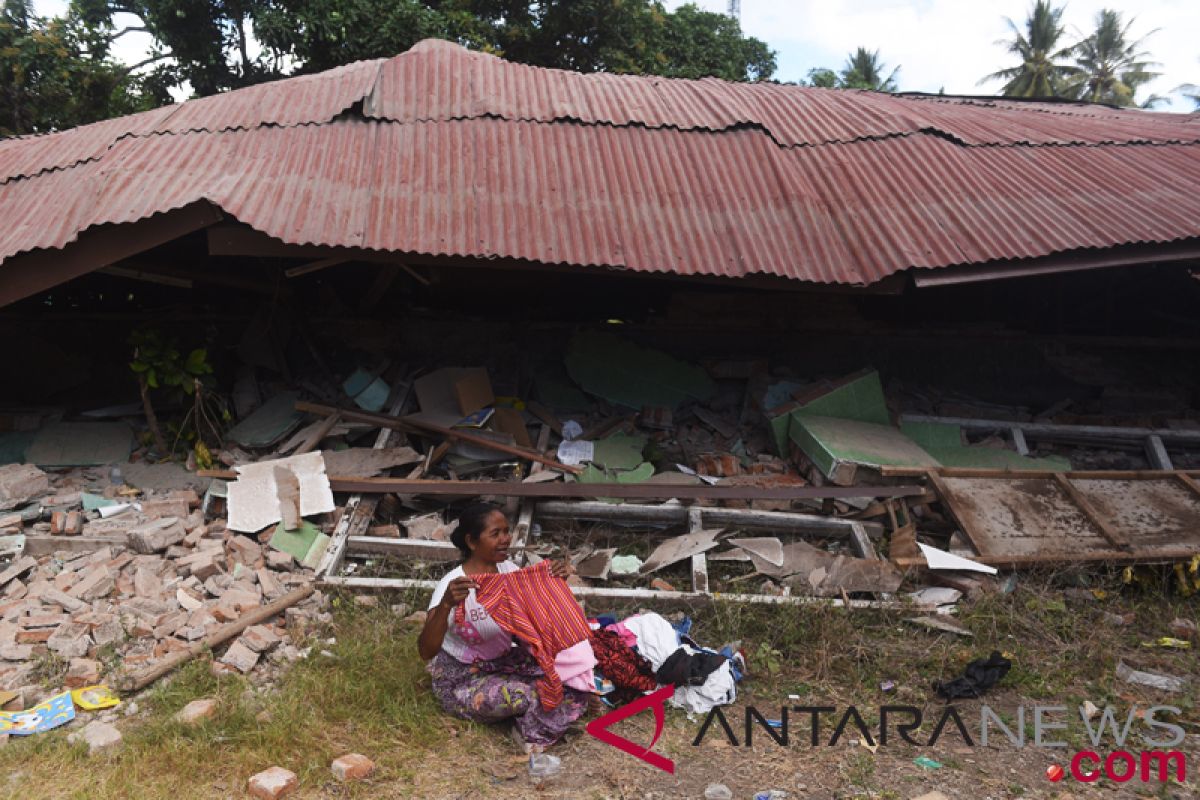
(252, 498)
(510, 421)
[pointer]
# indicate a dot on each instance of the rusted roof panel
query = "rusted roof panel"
(644, 199)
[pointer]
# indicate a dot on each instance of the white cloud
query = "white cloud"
(950, 43)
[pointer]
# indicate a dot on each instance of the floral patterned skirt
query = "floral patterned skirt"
(504, 688)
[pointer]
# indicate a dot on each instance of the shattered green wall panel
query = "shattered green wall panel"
(858, 399)
(945, 443)
(628, 375)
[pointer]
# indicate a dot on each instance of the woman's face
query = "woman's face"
(492, 545)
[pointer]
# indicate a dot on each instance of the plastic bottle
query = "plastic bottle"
(544, 765)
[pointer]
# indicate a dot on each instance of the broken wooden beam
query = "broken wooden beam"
(1113, 536)
(409, 424)
(223, 634)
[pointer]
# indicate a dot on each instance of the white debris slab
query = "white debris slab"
(254, 497)
(940, 559)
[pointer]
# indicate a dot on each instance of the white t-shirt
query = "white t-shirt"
(479, 638)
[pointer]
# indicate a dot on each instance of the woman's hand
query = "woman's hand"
(561, 569)
(457, 591)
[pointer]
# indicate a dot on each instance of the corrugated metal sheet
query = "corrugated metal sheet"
(654, 200)
(463, 154)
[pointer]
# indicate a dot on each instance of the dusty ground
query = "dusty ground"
(368, 693)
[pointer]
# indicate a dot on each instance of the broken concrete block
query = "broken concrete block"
(98, 582)
(266, 580)
(352, 767)
(16, 652)
(187, 601)
(63, 599)
(277, 559)
(82, 672)
(259, 638)
(197, 711)
(35, 636)
(240, 656)
(100, 736)
(20, 483)
(156, 536)
(161, 509)
(273, 783)
(70, 640)
(109, 632)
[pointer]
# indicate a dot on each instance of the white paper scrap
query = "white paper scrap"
(940, 559)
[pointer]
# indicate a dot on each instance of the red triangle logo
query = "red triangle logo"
(655, 701)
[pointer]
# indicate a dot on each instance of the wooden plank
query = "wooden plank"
(36, 271)
(860, 543)
(359, 511)
(1156, 452)
(525, 515)
(625, 491)
(699, 562)
(429, 549)
(663, 515)
(394, 422)
(1018, 437)
(956, 512)
(1114, 537)
(320, 433)
(1189, 482)
(314, 266)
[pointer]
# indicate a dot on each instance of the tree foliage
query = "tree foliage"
(1042, 71)
(1112, 67)
(57, 73)
(863, 70)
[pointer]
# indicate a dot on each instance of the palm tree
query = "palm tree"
(1111, 67)
(864, 70)
(1041, 72)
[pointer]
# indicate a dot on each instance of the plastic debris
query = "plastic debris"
(717, 791)
(94, 698)
(926, 763)
(1169, 643)
(887, 686)
(1167, 683)
(544, 765)
(625, 565)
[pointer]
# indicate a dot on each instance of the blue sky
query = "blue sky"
(938, 44)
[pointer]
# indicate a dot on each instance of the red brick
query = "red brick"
(273, 783)
(352, 767)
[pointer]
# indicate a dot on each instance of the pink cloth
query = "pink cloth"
(574, 666)
(628, 637)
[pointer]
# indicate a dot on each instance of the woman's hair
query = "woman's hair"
(471, 523)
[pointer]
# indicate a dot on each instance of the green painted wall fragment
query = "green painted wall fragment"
(628, 375)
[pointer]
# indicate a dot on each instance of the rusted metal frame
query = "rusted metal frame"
(359, 510)
(960, 516)
(650, 595)
(1114, 537)
(971, 472)
(386, 421)
(525, 515)
(25, 275)
(625, 491)
(1049, 431)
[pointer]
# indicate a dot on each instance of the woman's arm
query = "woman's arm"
(438, 618)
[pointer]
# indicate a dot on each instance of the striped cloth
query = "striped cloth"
(538, 609)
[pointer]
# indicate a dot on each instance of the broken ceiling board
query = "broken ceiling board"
(269, 423)
(253, 503)
(632, 376)
(597, 564)
(454, 391)
(1149, 513)
(306, 544)
(1034, 520)
(164, 477)
(838, 446)
(852, 574)
(945, 443)
(732, 554)
(798, 558)
(619, 451)
(80, 444)
(856, 397)
(941, 559)
(510, 421)
(367, 461)
(768, 548)
(679, 548)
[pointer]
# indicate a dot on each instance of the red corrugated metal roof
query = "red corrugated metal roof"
(463, 154)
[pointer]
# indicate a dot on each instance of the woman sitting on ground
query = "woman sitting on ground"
(478, 673)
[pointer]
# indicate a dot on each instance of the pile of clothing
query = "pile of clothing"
(641, 653)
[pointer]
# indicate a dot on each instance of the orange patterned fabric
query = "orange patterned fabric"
(538, 609)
